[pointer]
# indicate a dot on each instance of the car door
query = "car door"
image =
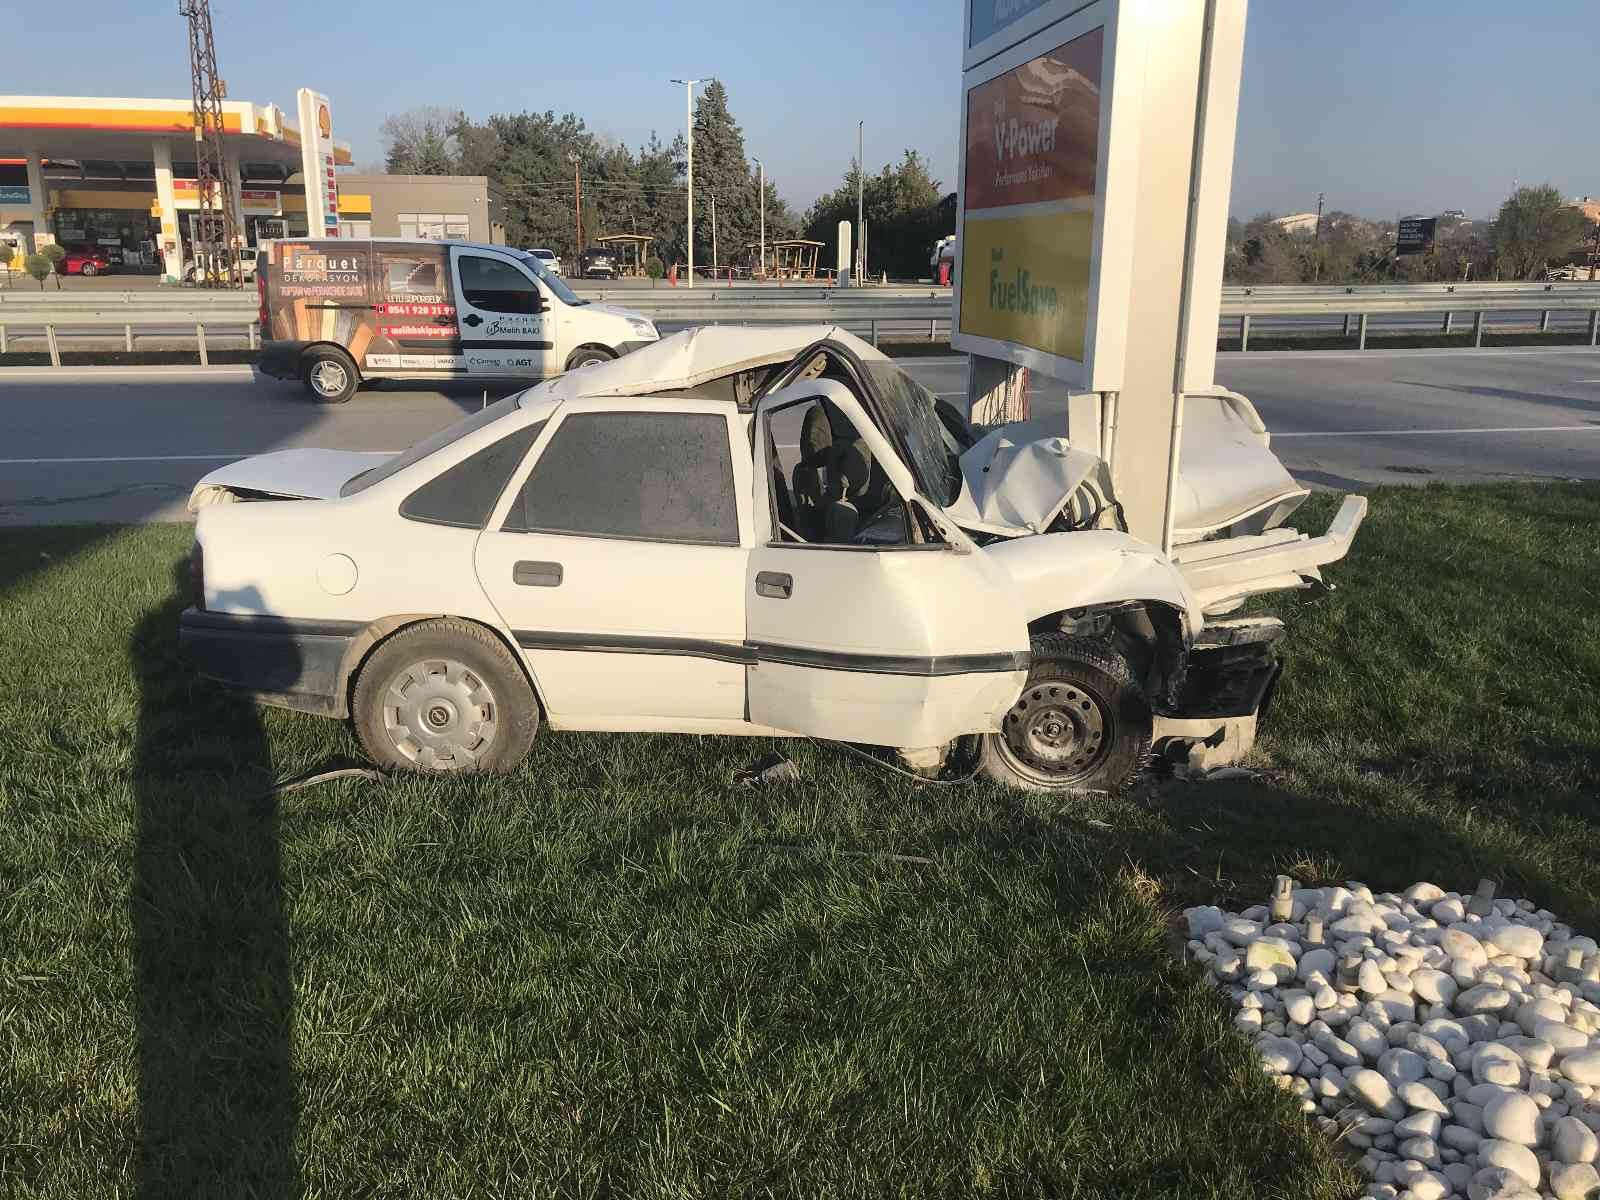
(506, 322)
(896, 636)
(617, 559)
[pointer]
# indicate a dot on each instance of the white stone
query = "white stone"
(1317, 963)
(1422, 1150)
(1496, 1064)
(1574, 1181)
(1416, 1096)
(1240, 932)
(1364, 1036)
(1484, 998)
(1539, 1010)
(1571, 1141)
(1519, 940)
(1325, 997)
(1460, 945)
(1207, 918)
(1269, 953)
(1434, 986)
(1373, 1090)
(1448, 911)
(1432, 1186)
(1420, 1124)
(1299, 1007)
(1563, 1038)
(1372, 981)
(1279, 1055)
(1517, 1159)
(1459, 1137)
(1512, 1117)
(1582, 1066)
(1402, 1066)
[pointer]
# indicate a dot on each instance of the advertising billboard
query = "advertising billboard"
(1415, 235)
(1030, 192)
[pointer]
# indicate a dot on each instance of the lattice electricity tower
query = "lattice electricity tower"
(216, 224)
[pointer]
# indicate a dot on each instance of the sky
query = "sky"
(1385, 107)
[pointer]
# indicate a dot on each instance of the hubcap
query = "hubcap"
(1057, 729)
(328, 377)
(440, 714)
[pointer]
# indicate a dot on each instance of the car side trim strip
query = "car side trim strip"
(754, 653)
(504, 344)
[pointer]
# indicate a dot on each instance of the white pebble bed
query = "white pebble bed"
(1457, 1053)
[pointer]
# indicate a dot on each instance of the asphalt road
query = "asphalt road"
(125, 444)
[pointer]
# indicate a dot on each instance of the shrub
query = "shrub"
(39, 267)
(653, 268)
(57, 255)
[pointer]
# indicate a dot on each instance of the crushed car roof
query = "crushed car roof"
(693, 357)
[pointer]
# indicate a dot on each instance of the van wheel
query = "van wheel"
(1081, 723)
(445, 697)
(585, 355)
(330, 375)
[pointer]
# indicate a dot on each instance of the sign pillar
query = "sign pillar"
(36, 202)
(316, 164)
(841, 274)
(171, 244)
(1096, 167)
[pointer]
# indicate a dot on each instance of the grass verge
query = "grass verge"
(614, 973)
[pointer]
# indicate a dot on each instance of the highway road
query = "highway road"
(126, 444)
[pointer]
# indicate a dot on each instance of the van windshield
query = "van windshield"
(551, 280)
(445, 437)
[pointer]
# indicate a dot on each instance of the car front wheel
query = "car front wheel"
(330, 375)
(445, 697)
(588, 354)
(1081, 723)
(88, 268)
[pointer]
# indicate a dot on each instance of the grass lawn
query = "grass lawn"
(616, 974)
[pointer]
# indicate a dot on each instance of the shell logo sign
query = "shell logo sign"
(324, 121)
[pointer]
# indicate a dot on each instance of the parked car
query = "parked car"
(597, 263)
(337, 312)
(85, 260)
(751, 531)
(244, 269)
(550, 259)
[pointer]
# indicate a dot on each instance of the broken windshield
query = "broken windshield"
(931, 432)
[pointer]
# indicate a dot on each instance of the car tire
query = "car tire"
(444, 697)
(1081, 723)
(585, 355)
(330, 375)
(88, 268)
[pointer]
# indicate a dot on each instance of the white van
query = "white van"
(336, 312)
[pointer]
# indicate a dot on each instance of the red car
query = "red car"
(85, 261)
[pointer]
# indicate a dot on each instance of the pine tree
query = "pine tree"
(720, 166)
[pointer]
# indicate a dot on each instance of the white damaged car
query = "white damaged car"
(752, 531)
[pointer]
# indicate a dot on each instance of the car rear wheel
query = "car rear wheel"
(1081, 723)
(330, 375)
(88, 268)
(588, 354)
(444, 697)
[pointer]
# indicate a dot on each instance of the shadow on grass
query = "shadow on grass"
(214, 995)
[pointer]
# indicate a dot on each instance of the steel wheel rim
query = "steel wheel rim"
(440, 714)
(329, 377)
(1058, 731)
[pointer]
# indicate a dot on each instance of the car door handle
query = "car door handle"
(472, 319)
(774, 585)
(537, 574)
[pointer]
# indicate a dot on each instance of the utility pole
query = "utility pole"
(763, 202)
(577, 192)
(1317, 236)
(861, 204)
(1316, 240)
(216, 225)
(688, 126)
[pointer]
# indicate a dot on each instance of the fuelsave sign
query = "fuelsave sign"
(1032, 138)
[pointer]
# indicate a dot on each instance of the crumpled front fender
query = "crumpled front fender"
(1056, 571)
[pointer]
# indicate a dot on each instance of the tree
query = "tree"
(422, 141)
(721, 169)
(39, 267)
(1535, 225)
(56, 256)
(904, 211)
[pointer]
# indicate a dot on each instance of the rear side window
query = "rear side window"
(465, 494)
(665, 477)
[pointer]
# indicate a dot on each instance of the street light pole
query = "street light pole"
(688, 127)
(577, 210)
(763, 259)
(861, 207)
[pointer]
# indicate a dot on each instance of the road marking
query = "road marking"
(1436, 432)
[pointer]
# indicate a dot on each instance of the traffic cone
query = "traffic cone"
(672, 275)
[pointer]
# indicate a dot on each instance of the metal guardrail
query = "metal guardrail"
(872, 312)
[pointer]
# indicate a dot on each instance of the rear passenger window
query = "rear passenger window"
(664, 477)
(465, 494)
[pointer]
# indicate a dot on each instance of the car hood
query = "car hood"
(1017, 478)
(287, 474)
(614, 310)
